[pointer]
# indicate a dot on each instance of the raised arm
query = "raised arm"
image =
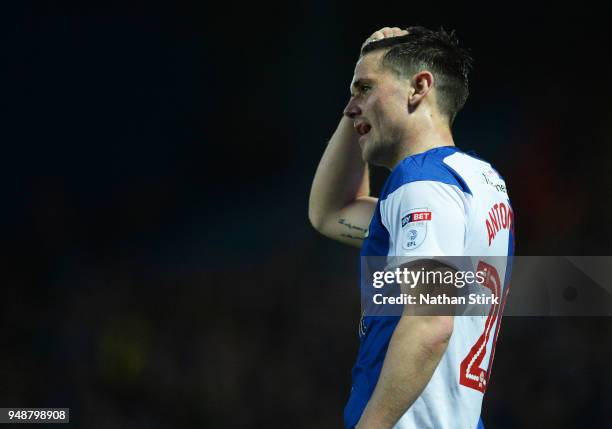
(340, 206)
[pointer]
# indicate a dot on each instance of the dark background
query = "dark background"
(160, 270)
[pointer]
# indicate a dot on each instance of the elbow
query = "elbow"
(441, 329)
(316, 218)
(445, 327)
(437, 332)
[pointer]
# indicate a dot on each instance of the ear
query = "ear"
(421, 83)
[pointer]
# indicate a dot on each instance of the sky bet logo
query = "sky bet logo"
(415, 217)
(414, 228)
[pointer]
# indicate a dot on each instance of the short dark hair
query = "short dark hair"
(436, 51)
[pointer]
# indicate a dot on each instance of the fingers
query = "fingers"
(386, 32)
(390, 32)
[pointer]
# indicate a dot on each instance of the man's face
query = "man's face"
(378, 108)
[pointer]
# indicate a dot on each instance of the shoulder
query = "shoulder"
(426, 167)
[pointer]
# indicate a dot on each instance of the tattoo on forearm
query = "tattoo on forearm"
(351, 236)
(351, 226)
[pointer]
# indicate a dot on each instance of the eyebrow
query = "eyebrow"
(359, 83)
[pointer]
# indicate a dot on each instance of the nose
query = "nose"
(352, 109)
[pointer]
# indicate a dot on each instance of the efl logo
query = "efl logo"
(415, 217)
(414, 234)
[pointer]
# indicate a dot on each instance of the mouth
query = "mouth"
(362, 128)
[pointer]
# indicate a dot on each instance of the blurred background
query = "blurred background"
(159, 267)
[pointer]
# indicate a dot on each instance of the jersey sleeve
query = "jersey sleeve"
(426, 220)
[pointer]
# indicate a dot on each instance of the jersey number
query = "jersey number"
(471, 374)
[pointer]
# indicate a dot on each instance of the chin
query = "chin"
(377, 154)
(372, 156)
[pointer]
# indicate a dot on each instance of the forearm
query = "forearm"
(415, 349)
(341, 177)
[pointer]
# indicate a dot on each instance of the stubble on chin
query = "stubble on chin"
(372, 154)
(380, 153)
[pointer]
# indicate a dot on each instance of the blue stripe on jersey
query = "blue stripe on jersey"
(480, 424)
(429, 166)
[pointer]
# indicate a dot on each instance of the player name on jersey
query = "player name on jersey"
(500, 217)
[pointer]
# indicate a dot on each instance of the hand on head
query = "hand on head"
(385, 32)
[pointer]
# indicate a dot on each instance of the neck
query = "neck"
(422, 141)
